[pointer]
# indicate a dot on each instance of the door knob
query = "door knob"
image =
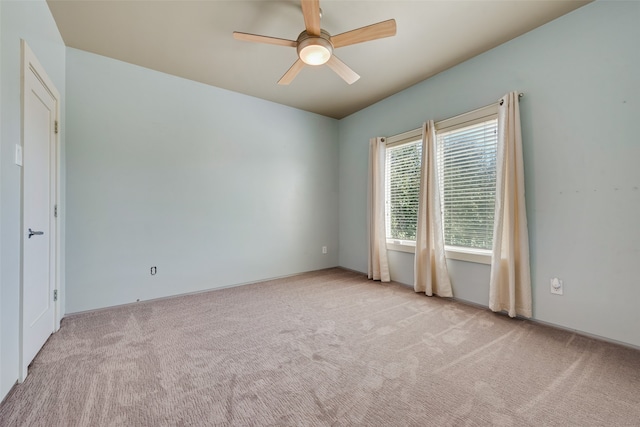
(35, 233)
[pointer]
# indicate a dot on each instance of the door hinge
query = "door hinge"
(56, 126)
(55, 211)
(55, 295)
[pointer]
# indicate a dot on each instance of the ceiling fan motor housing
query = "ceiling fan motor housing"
(315, 50)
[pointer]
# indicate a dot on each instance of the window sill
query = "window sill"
(478, 256)
(402, 246)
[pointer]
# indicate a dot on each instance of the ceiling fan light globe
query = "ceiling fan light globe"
(315, 54)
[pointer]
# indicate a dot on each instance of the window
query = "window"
(467, 168)
(402, 188)
(466, 147)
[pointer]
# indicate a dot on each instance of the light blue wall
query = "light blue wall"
(213, 187)
(581, 79)
(31, 21)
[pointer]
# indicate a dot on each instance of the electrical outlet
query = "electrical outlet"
(153, 271)
(556, 286)
(324, 249)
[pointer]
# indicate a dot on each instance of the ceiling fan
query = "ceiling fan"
(315, 46)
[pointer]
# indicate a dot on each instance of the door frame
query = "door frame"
(30, 62)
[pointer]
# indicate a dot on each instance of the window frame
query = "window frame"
(489, 112)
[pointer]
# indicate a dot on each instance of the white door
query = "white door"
(40, 107)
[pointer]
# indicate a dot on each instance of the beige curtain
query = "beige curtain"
(510, 283)
(430, 269)
(378, 264)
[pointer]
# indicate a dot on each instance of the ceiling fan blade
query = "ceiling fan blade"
(311, 13)
(364, 34)
(342, 69)
(291, 73)
(263, 39)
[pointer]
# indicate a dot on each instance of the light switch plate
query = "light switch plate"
(18, 154)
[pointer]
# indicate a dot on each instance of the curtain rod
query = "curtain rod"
(410, 133)
(520, 95)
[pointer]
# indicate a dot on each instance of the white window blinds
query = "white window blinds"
(467, 169)
(402, 189)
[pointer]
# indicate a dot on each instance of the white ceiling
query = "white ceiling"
(193, 39)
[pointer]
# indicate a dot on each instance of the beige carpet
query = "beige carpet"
(324, 348)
